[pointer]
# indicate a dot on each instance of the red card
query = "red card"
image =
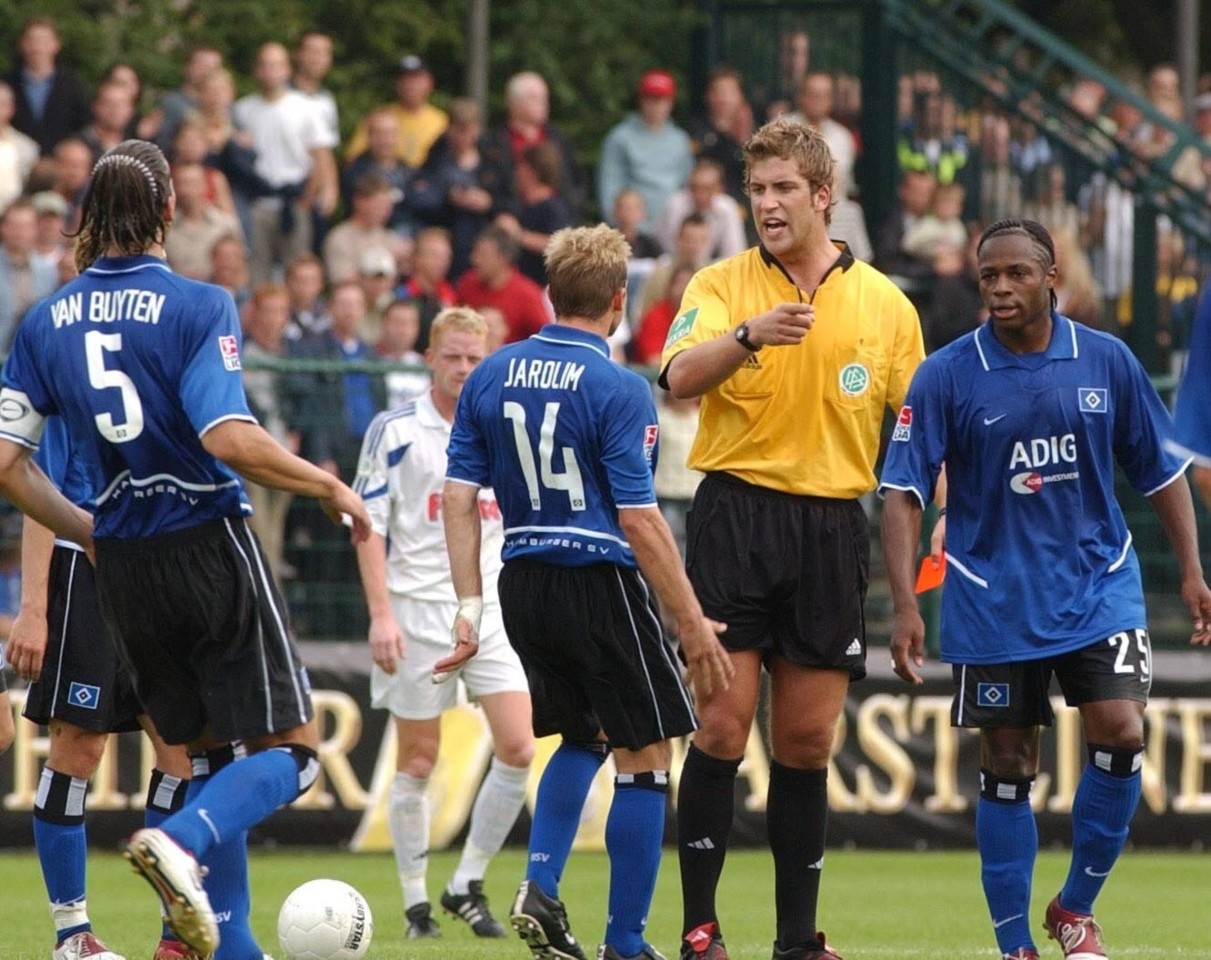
(931, 574)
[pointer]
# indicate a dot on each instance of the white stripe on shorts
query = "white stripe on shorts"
(71, 578)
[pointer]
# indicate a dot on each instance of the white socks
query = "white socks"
(496, 808)
(408, 818)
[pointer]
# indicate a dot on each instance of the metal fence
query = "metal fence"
(321, 584)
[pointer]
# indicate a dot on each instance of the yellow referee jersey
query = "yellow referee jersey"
(802, 419)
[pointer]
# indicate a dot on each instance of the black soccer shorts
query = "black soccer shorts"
(787, 574)
(1016, 694)
(595, 654)
(204, 629)
(83, 680)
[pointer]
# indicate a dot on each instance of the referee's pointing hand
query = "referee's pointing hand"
(785, 325)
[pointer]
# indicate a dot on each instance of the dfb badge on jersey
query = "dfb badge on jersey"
(903, 425)
(651, 433)
(229, 347)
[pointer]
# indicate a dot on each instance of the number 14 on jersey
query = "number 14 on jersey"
(569, 481)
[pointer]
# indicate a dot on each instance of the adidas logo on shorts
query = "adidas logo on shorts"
(854, 649)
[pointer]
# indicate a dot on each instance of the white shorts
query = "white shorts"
(411, 693)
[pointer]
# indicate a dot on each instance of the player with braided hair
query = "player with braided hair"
(1031, 413)
(144, 368)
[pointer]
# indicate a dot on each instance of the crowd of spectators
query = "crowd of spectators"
(345, 251)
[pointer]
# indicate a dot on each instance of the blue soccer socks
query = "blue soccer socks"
(634, 830)
(62, 849)
(1008, 839)
(561, 794)
(1105, 802)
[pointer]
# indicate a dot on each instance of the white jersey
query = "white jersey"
(400, 476)
(284, 132)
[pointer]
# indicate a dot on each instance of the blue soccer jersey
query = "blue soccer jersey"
(68, 468)
(140, 363)
(566, 437)
(1192, 431)
(1040, 556)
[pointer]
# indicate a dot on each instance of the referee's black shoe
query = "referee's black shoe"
(606, 952)
(542, 922)
(472, 907)
(421, 924)
(703, 943)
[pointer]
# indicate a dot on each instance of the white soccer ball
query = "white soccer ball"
(325, 920)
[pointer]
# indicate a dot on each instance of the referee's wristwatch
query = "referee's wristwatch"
(743, 339)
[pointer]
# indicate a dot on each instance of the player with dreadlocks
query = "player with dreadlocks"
(143, 366)
(1030, 413)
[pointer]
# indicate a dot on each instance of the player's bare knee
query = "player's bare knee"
(74, 750)
(515, 751)
(655, 756)
(1012, 755)
(1116, 724)
(417, 765)
(416, 755)
(7, 730)
(722, 734)
(1009, 764)
(172, 759)
(174, 762)
(805, 749)
(1127, 735)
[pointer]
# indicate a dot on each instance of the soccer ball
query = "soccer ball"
(325, 920)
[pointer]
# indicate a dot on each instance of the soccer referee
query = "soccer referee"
(795, 348)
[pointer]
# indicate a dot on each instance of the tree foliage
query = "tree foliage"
(590, 52)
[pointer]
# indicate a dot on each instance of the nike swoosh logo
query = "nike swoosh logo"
(1093, 873)
(989, 421)
(997, 924)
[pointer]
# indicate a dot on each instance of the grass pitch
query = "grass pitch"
(873, 905)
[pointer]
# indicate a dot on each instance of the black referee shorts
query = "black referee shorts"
(787, 574)
(595, 654)
(83, 681)
(203, 627)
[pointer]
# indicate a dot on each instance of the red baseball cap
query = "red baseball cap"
(657, 83)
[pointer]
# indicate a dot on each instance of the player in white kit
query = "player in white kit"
(406, 577)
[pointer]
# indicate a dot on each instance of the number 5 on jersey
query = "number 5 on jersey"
(99, 378)
(569, 481)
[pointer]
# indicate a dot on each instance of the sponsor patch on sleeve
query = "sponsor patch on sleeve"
(681, 326)
(229, 347)
(651, 433)
(903, 429)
